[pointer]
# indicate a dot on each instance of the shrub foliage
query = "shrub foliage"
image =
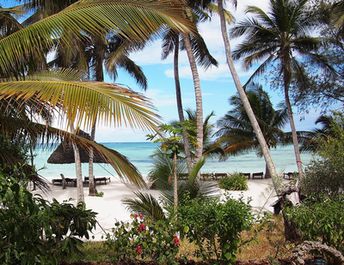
(34, 231)
(215, 226)
(144, 239)
(320, 220)
(234, 182)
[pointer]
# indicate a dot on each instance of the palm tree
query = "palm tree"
(90, 55)
(81, 102)
(229, 57)
(194, 14)
(282, 39)
(171, 43)
(236, 134)
(188, 189)
(311, 141)
(210, 148)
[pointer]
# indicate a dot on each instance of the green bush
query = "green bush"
(215, 226)
(234, 182)
(320, 220)
(144, 239)
(326, 175)
(34, 231)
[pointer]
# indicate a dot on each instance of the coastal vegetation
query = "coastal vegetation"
(297, 45)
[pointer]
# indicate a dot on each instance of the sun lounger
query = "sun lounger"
(98, 180)
(64, 181)
(57, 182)
(258, 175)
(247, 175)
(207, 176)
(289, 175)
(218, 176)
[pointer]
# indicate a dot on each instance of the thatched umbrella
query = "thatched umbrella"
(64, 153)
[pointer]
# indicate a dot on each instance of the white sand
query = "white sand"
(110, 208)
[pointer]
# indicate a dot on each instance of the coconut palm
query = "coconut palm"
(91, 55)
(172, 43)
(311, 140)
(210, 148)
(81, 102)
(226, 17)
(282, 39)
(236, 134)
(188, 189)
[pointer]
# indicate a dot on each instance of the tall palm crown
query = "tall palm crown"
(281, 38)
(236, 134)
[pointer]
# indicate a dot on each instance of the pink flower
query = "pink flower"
(176, 241)
(136, 215)
(141, 216)
(141, 228)
(139, 249)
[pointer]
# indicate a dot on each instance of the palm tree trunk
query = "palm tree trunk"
(180, 104)
(265, 149)
(79, 183)
(198, 97)
(78, 170)
(92, 191)
(175, 183)
(267, 172)
(293, 128)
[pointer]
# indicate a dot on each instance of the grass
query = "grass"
(267, 243)
(260, 243)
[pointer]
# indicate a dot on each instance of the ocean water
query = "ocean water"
(140, 155)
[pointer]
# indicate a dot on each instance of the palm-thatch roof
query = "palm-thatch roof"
(64, 153)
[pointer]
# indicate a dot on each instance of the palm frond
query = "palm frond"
(227, 14)
(86, 102)
(145, 204)
(134, 19)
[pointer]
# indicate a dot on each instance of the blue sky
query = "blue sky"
(217, 85)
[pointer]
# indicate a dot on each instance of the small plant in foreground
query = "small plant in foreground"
(143, 239)
(215, 226)
(35, 231)
(321, 220)
(100, 194)
(234, 182)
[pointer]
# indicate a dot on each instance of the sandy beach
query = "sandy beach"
(111, 209)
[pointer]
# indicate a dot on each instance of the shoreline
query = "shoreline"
(110, 208)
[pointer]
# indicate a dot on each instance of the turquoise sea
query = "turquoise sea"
(140, 155)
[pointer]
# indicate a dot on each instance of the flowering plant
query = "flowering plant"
(143, 239)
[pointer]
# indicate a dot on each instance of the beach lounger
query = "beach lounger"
(56, 181)
(247, 175)
(289, 175)
(218, 176)
(207, 176)
(98, 180)
(258, 175)
(64, 181)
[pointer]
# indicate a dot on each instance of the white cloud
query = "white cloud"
(210, 31)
